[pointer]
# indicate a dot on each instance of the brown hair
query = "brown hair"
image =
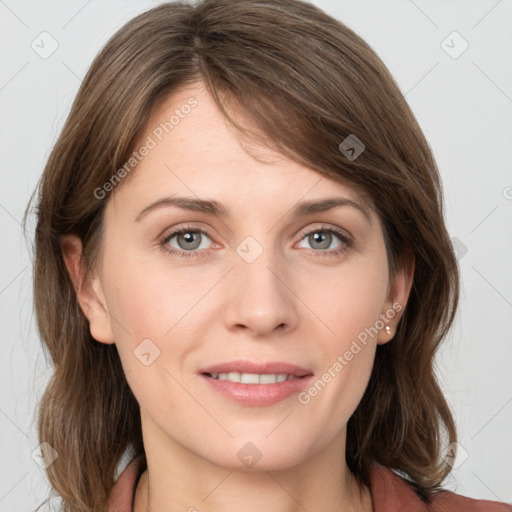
(307, 81)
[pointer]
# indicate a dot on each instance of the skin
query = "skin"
(290, 304)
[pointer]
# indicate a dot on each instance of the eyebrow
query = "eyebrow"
(217, 209)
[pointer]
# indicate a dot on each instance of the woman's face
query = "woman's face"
(267, 283)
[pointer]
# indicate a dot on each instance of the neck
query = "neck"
(179, 480)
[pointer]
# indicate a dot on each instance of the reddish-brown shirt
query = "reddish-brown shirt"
(390, 493)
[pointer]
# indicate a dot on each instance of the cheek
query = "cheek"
(148, 306)
(157, 315)
(361, 301)
(349, 304)
(148, 298)
(346, 300)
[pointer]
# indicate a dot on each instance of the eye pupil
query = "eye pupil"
(321, 237)
(188, 237)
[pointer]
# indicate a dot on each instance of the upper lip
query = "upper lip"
(259, 367)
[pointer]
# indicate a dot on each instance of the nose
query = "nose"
(260, 297)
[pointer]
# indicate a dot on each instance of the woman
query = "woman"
(196, 327)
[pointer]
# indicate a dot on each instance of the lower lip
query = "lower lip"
(258, 394)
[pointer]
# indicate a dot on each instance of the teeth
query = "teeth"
(253, 378)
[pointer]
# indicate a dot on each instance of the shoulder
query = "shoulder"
(390, 493)
(448, 501)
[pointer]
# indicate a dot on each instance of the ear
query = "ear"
(89, 290)
(398, 293)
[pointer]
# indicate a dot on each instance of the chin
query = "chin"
(255, 454)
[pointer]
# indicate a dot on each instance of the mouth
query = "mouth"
(256, 383)
(253, 378)
(255, 372)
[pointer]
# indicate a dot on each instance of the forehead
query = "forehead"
(192, 149)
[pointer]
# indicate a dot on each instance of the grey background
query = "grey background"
(464, 106)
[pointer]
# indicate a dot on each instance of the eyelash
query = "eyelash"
(164, 240)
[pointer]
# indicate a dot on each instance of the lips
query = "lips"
(256, 367)
(255, 383)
